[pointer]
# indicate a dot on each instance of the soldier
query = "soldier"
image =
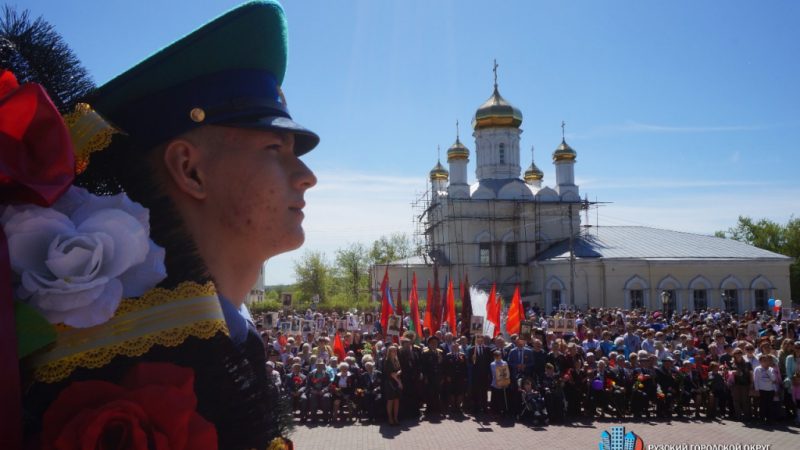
(432, 368)
(172, 134)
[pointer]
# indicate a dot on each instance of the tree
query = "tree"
(772, 236)
(391, 248)
(36, 53)
(352, 270)
(313, 276)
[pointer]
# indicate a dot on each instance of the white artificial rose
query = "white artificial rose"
(75, 261)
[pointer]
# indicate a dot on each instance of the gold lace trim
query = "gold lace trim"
(159, 296)
(163, 317)
(89, 132)
(62, 368)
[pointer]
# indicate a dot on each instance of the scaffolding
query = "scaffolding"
(439, 232)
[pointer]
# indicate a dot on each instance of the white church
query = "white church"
(505, 229)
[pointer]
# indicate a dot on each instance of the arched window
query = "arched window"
(502, 152)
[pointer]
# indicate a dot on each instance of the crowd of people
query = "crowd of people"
(621, 364)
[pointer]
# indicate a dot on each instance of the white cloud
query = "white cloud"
(665, 183)
(632, 127)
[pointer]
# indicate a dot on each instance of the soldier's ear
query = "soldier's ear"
(184, 161)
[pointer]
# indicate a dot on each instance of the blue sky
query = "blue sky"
(684, 114)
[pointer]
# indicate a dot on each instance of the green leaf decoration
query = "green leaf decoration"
(33, 331)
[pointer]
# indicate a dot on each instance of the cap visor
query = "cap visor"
(305, 140)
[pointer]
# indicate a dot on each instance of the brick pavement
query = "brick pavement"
(471, 433)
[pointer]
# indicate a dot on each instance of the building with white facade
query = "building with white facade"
(507, 227)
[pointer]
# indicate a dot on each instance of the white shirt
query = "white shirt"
(764, 379)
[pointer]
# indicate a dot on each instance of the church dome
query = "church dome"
(457, 151)
(533, 173)
(439, 172)
(564, 152)
(497, 112)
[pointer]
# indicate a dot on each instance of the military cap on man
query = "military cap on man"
(228, 72)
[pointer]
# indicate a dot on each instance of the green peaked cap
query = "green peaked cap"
(227, 72)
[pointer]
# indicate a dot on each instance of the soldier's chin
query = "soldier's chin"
(294, 240)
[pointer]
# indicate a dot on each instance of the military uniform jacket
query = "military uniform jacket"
(432, 364)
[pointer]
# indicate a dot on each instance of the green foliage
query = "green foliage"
(265, 305)
(772, 236)
(313, 276)
(342, 301)
(352, 271)
(345, 283)
(36, 53)
(391, 248)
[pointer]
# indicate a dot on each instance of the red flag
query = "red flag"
(436, 303)
(338, 347)
(428, 299)
(493, 306)
(515, 313)
(414, 306)
(466, 308)
(386, 308)
(450, 310)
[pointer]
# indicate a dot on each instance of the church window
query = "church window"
(730, 300)
(672, 301)
(555, 297)
(700, 299)
(502, 153)
(511, 254)
(637, 298)
(761, 299)
(485, 254)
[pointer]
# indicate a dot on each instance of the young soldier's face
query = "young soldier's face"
(258, 190)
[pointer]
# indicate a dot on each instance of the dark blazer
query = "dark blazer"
(370, 383)
(481, 373)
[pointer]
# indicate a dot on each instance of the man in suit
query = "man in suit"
(520, 361)
(447, 345)
(411, 375)
(500, 344)
(539, 360)
(368, 391)
(479, 357)
(666, 378)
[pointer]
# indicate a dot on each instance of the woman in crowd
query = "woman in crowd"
(392, 386)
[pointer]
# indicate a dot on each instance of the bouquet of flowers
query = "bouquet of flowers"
(611, 386)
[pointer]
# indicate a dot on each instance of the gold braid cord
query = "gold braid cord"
(89, 132)
(160, 317)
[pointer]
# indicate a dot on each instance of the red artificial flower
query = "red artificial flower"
(153, 408)
(37, 163)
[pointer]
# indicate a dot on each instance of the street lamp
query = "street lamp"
(724, 301)
(665, 302)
